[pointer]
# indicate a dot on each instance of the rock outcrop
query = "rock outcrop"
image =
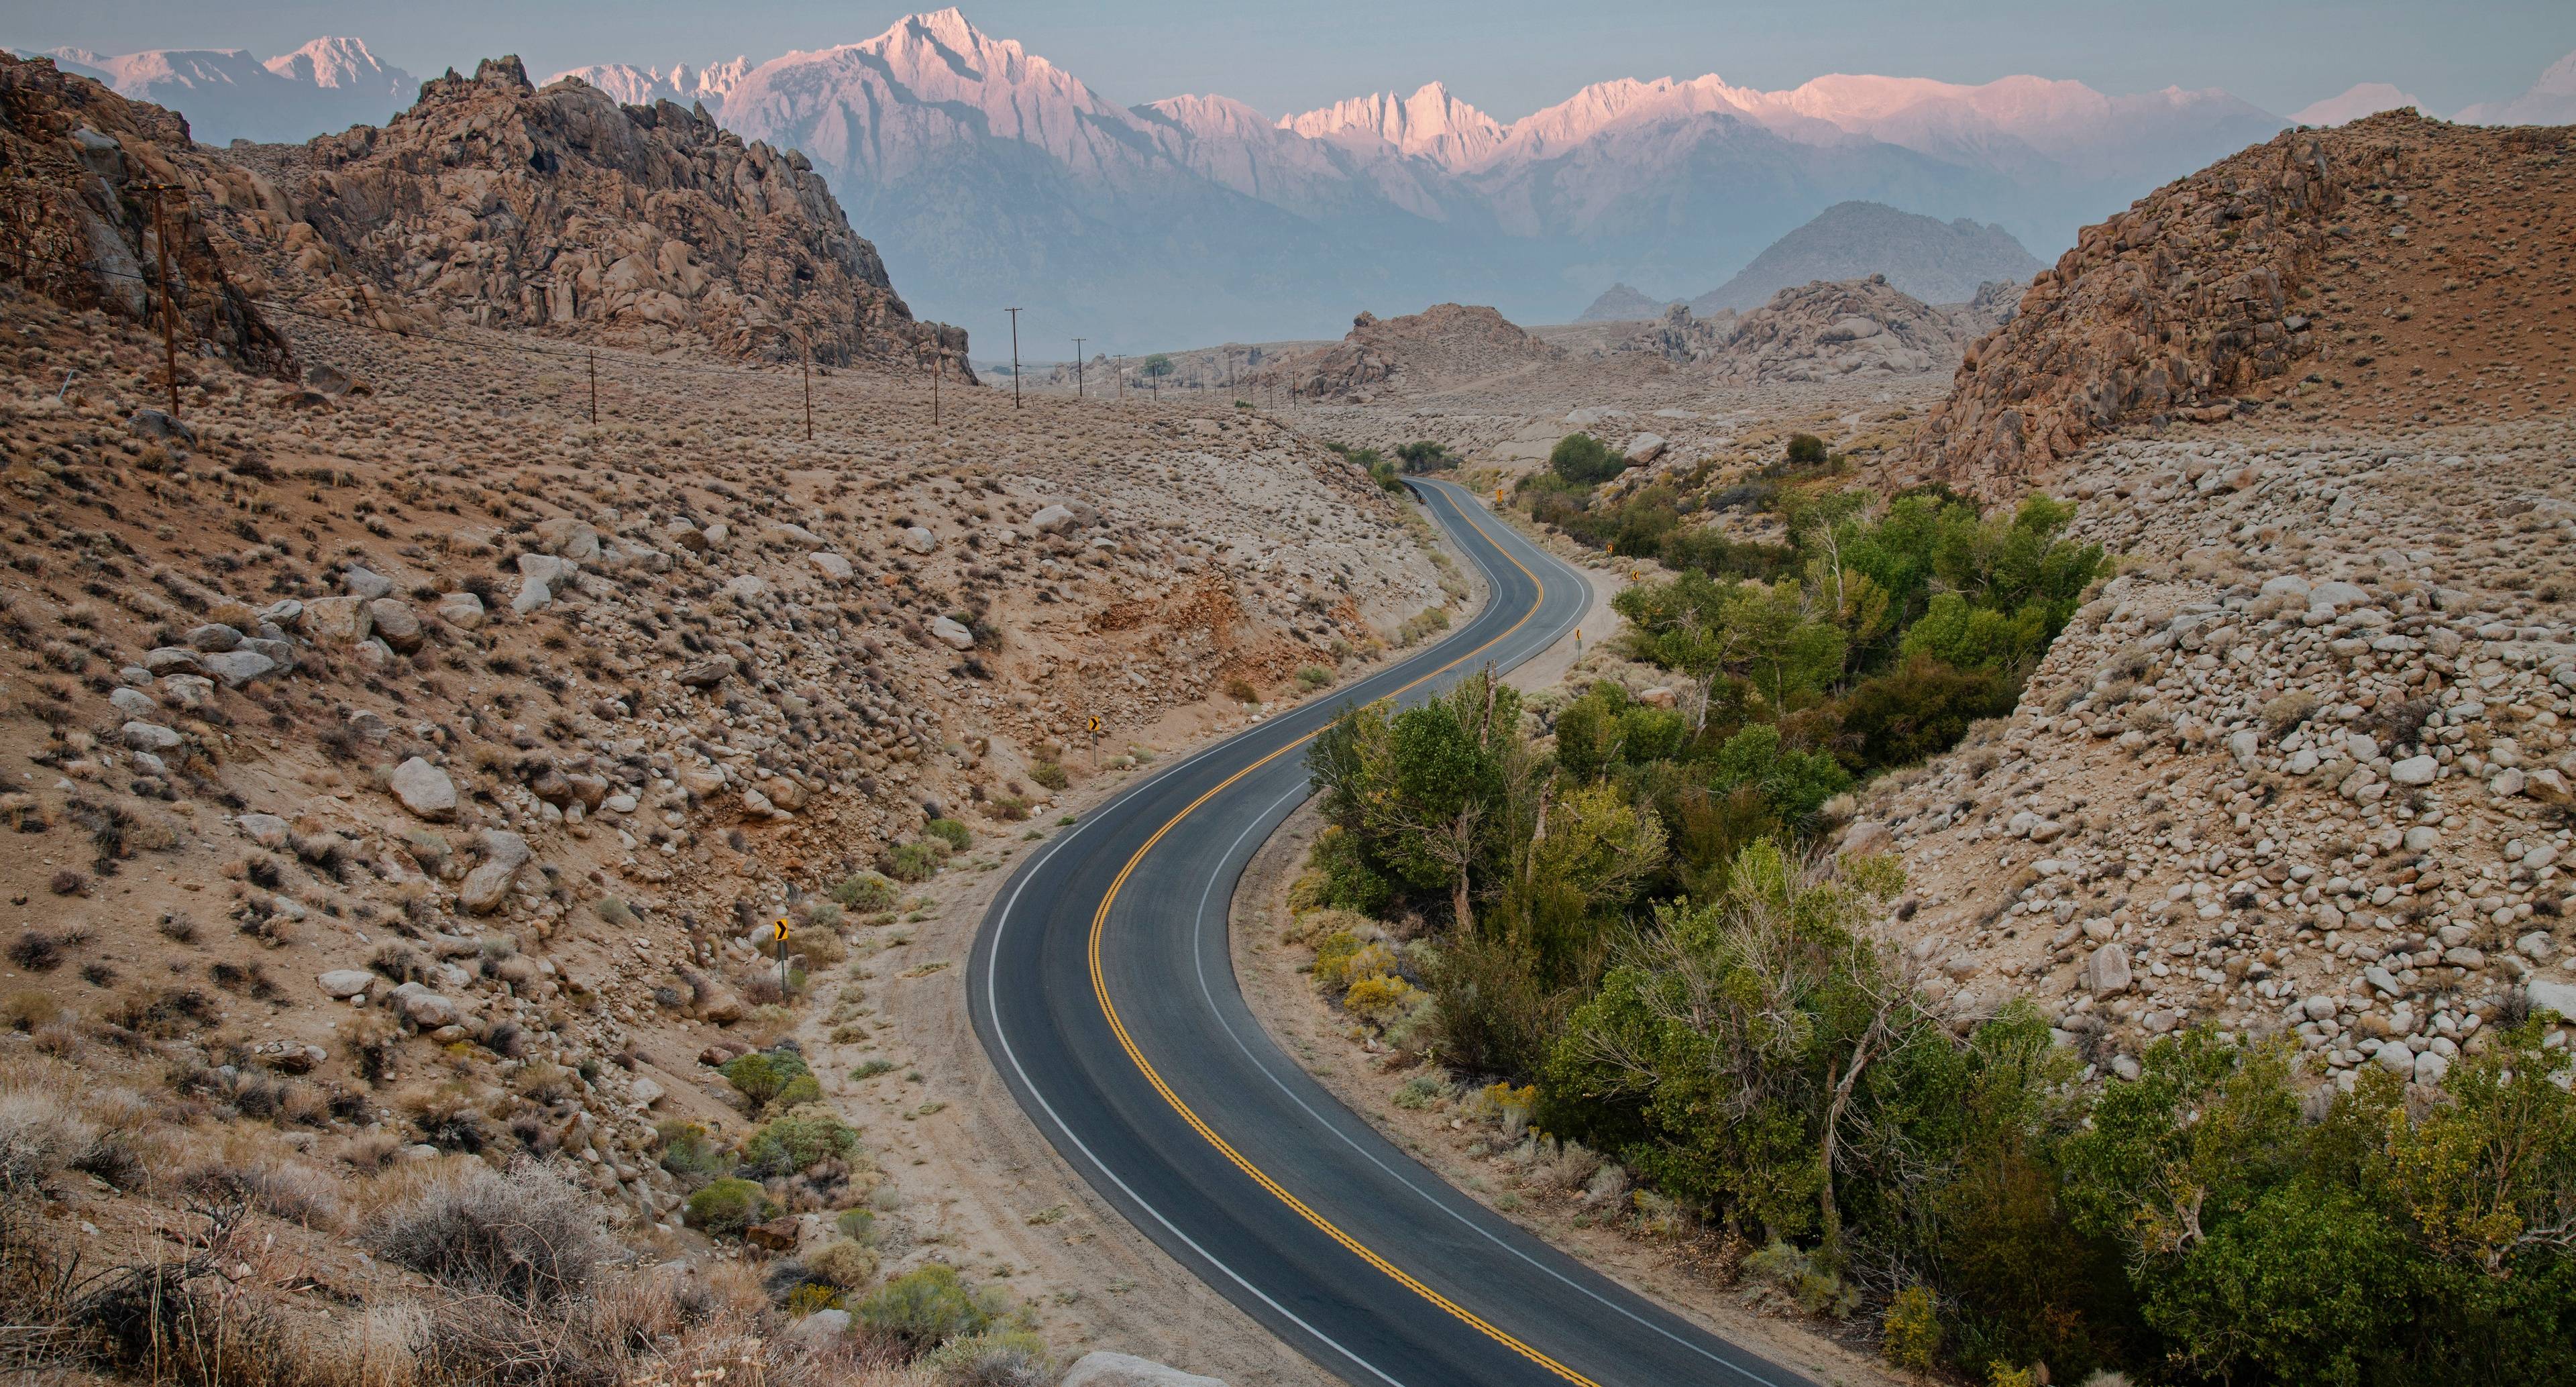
(1854, 329)
(493, 203)
(79, 226)
(1446, 343)
(2304, 261)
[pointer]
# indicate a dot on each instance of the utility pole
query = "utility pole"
(594, 387)
(1229, 375)
(1121, 369)
(809, 393)
(1077, 368)
(1015, 356)
(169, 318)
(938, 356)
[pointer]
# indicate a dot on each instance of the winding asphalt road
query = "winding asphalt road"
(1101, 987)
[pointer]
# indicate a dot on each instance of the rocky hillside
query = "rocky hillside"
(2394, 270)
(79, 223)
(2304, 767)
(1859, 329)
(495, 204)
(1445, 344)
(404, 764)
(1621, 304)
(1925, 257)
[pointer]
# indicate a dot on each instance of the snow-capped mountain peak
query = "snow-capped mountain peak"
(1429, 124)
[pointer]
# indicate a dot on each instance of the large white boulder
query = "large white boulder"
(1104, 1369)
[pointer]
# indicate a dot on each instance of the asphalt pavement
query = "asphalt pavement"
(1102, 989)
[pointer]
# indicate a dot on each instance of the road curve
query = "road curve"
(1101, 987)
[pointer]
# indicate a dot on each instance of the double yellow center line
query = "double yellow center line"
(1109, 1010)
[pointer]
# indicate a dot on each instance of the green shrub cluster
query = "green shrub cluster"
(772, 1078)
(1629, 921)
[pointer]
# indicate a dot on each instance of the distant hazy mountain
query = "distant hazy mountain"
(987, 175)
(1931, 260)
(327, 85)
(2361, 99)
(1620, 304)
(2551, 101)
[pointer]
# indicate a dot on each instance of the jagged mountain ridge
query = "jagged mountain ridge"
(325, 86)
(990, 175)
(494, 203)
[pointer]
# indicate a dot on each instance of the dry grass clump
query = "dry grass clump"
(529, 1236)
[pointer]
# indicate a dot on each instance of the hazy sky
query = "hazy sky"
(1507, 56)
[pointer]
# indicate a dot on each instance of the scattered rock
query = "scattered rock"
(424, 789)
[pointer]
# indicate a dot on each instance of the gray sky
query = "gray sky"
(1507, 56)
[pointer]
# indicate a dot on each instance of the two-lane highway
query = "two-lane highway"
(1101, 987)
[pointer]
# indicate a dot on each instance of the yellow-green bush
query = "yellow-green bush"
(1381, 1000)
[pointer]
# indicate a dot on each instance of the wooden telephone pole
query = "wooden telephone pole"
(169, 315)
(809, 394)
(1121, 369)
(594, 387)
(1077, 368)
(1015, 356)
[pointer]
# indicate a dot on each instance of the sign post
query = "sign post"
(1092, 726)
(778, 935)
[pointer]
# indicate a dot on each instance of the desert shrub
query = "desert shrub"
(866, 892)
(1912, 713)
(528, 1235)
(1381, 1000)
(42, 1132)
(858, 1225)
(1347, 882)
(1050, 774)
(723, 1208)
(994, 1358)
(689, 1152)
(1806, 450)
(1910, 1334)
(956, 835)
(796, 1139)
(1418, 1092)
(1313, 677)
(846, 1262)
(912, 862)
(767, 1077)
(924, 1308)
(1582, 460)
(1240, 690)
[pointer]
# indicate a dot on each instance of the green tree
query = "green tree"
(1582, 460)
(1155, 367)
(1429, 787)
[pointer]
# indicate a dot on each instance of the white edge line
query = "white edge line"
(1198, 954)
(993, 1009)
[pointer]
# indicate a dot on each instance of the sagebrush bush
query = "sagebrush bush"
(847, 1263)
(866, 892)
(924, 1308)
(912, 862)
(798, 1138)
(42, 1132)
(956, 835)
(528, 1235)
(724, 1208)
(765, 1077)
